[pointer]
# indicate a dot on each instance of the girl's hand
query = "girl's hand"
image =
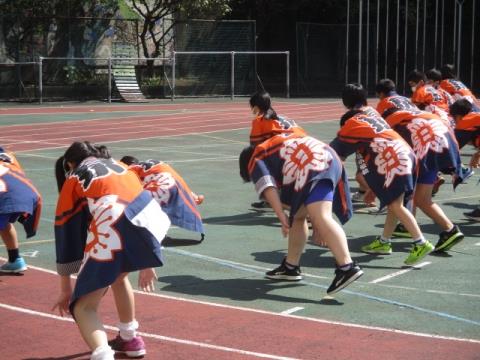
(285, 224)
(146, 279)
(62, 303)
(316, 239)
(475, 160)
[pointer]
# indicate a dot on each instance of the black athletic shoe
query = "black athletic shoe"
(260, 205)
(473, 215)
(284, 273)
(448, 239)
(344, 278)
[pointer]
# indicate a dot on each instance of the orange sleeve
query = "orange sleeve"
(447, 86)
(470, 122)
(421, 97)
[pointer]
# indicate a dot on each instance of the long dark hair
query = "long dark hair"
(129, 160)
(60, 172)
(448, 71)
(263, 101)
(80, 150)
(244, 160)
(76, 153)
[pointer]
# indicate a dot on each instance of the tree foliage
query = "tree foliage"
(22, 20)
(154, 12)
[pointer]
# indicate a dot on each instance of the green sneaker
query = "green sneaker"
(418, 252)
(401, 232)
(378, 247)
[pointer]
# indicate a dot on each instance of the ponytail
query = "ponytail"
(80, 150)
(60, 172)
(263, 102)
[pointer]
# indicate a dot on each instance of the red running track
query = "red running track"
(198, 119)
(183, 329)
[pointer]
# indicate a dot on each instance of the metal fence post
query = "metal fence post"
(173, 76)
(40, 80)
(109, 80)
(288, 73)
(232, 74)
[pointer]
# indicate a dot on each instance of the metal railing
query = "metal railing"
(108, 64)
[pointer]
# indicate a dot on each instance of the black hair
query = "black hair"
(460, 107)
(80, 150)
(385, 86)
(244, 160)
(348, 115)
(354, 95)
(129, 160)
(263, 101)
(448, 71)
(433, 74)
(60, 172)
(416, 76)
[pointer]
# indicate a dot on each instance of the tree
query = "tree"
(23, 20)
(154, 12)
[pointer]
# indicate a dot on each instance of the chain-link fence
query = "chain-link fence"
(185, 74)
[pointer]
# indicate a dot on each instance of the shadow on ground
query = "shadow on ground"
(235, 289)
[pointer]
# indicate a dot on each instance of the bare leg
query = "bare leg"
(89, 324)
(297, 237)
(423, 200)
(329, 230)
(405, 217)
(9, 237)
(124, 298)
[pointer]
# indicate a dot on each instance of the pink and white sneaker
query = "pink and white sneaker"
(132, 348)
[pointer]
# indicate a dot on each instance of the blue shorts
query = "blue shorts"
(5, 219)
(322, 191)
(427, 176)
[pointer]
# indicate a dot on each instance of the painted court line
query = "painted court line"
(292, 310)
(360, 326)
(383, 300)
(397, 273)
(140, 138)
(153, 336)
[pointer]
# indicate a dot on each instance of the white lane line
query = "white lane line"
(397, 273)
(266, 312)
(292, 310)
(154, 336)
(477, 244)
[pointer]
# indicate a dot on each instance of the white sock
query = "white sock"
(128, 330)
(420, 241)
(103, 352)
(385, 240)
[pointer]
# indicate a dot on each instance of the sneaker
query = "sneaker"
(436, 185)
(358, 197)
(131, 348)
(378, 247)
(418, 252)
(473, 215)
(401, 232)
(467, 172)
(448, 239)
(284, 273)
(260, 205)
(344, 278)
(17, 266)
